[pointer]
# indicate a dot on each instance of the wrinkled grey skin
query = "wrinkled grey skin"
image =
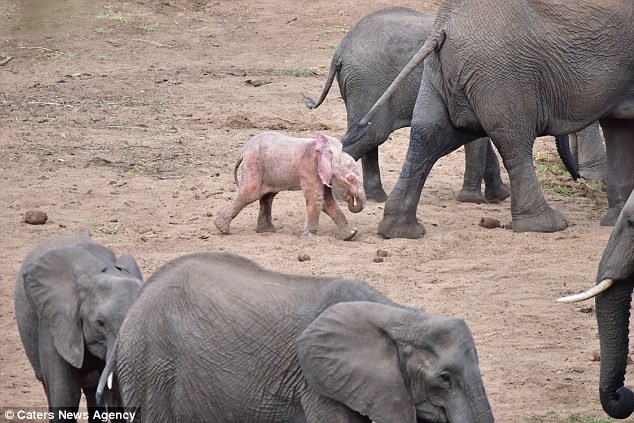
(273, 162)
(367, 60)
(589, 152)
(214, 337)
(613, 314)
(71, 297)
(558, 79)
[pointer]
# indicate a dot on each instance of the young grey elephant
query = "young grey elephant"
(214, 337)
(613, 292)
(272, 162)
(71, 296)
(365, 63)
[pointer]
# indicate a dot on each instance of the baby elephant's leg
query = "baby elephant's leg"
(332, 209)
(265, 221)
(246, 195)
(314, 204)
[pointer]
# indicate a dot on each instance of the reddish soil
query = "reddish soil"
(126, 118)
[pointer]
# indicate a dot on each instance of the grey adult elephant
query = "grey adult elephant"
(214, 337)
(515, 70)
(71, 296)
(615, 280)
(367, 60)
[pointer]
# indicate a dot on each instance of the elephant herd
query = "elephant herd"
(216, 337)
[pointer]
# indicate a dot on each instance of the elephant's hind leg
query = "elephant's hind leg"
(619, 148)
(265, 220)
(475, 160)
(246, 195)
(495, 190)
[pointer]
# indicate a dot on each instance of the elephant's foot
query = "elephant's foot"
(610, 216)
(592, 173)
(222, 225)
(550, 220)
(401, 227)
(471, 196)
(497, 194)
(348, 235)
(378, 195)
(265, 227)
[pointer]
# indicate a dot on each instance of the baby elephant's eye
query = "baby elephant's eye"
(445, 380)
(101, 323)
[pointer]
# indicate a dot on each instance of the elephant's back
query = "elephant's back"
(199, 332)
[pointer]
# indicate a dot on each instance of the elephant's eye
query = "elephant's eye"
(101, 323)
(445, 380)
(630, 220)
(351, 178)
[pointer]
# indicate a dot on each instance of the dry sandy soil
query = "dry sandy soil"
(127, 117)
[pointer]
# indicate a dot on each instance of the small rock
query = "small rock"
(35, 217)
(595, 356)
(508, 225)
(489, 223)
(381, 253)
(378, 259)
(303, 256)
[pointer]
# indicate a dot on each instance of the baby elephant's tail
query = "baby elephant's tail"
(235, 170)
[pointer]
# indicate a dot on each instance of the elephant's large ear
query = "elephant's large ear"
(328, 149)
(127, 263)
(50, 283)
(347, 355)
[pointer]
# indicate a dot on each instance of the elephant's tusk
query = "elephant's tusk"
(592, 292)
(110, 380)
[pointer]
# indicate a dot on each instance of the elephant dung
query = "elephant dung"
(303, 256)
(489, 223)
(35, 217)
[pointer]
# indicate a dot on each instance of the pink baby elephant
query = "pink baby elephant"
(272, 162)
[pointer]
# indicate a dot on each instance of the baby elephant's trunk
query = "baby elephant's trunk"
(355, 205)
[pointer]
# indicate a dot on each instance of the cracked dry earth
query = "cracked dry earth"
(127, 117)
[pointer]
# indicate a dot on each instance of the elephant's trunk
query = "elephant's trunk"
(356, 204)
(106, 375)
(613, 317)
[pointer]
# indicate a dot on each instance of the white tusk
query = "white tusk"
(110, 381)
(592, 292)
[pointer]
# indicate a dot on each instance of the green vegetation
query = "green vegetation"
(94, 225)
(149, 27)
(61, 55)
(292, 72)
(102, 57)
(100, 30)
(134, 170)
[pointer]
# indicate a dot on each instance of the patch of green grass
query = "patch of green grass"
(562, 189)
(134, 170)
(112, 15)
(94, 225)
(149, 27)
(100, 30)
(102, 57)
(333, 46)
(555, 169)
(292, 72)
(553, 417)
(61, 55)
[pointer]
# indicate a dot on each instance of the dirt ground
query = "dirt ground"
(127, 117)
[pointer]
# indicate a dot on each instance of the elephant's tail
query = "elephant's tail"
(235, 170)
(358, 130)
(335, 67)
(563, 148)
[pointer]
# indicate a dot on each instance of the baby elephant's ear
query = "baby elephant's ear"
(328, 150)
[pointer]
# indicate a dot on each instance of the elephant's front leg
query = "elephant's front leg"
(314, 203)
(372, 176)
(619, 149)
(332, 209)
(432, 136)
(529, 209)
